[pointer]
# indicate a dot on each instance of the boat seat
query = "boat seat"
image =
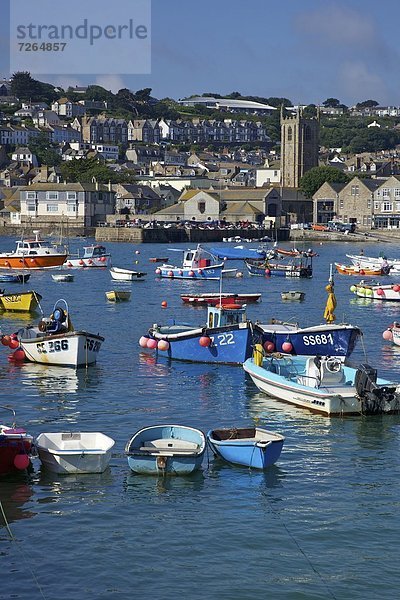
(311, 376)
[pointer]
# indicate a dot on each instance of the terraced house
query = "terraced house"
(80, 205)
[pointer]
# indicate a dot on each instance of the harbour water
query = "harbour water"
(322, 523)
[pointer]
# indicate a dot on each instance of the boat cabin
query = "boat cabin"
(195, 259)
(94, 251)
(226, 314)
(33, 247)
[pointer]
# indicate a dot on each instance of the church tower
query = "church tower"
(299, 147)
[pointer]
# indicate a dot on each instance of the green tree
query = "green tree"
(331, 102)
(314, 178)
(26, 88)
(44, 151)
(367, 104)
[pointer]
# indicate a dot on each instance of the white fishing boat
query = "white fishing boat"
(377, 291)
(54, 341)
(323, 384)
(94, 255)
(126, 274)
(83, 452)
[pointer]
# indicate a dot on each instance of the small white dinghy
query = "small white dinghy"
(126, 274)
(84, 452)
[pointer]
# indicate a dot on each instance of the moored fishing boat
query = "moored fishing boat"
(377, 291)
(33, 254)
(15, 446)
(226, 338)
(223, 298)
(82, 452)
(166, 449)
(374, 262)
(54, 341)
(357, 270)
(323, 384)
(253, 447)
(20, 301)
(302, 268)
(334, 339)
(94, 255)
(198, 264)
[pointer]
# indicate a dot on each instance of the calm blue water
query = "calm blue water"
(322, 523)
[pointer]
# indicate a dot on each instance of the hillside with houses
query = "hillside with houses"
(88, 157)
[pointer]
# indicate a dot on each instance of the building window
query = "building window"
(369, 202)
(355, 190)
(377, 205)
(387, 206)
(385, 192)
(289, 134)
(397, 192)
(31, 195)
(307, 133)
(52, 195)
(397, 207)
(31, 206)
(341, 203)
(201, 207)
(71, 207)
(71, 195)
(52, 208)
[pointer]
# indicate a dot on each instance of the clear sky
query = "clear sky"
(304, 50)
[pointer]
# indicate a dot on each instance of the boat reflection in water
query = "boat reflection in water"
(49, 379)
(13, 496)
(136, 485)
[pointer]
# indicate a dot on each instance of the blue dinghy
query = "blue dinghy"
(166, 449)
(254, 447)
(226, 338)
(14, 277)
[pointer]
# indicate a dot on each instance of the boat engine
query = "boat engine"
(375, 399)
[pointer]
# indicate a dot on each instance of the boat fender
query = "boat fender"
(258, 355)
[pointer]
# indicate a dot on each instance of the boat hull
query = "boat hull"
(213, 272)
(20, 302)
(285, 382)
(224, 298)
(229, 345)
(13, 443)
(118, 296)
(347, 270)
(166, 450)
(329, 340)
(279, 271)
(71, 349)
(47, 261)
(244, 447)
(66, 453)
(126, 275)
(88, 263)
(377, 292)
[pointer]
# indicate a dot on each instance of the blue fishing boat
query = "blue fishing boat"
(301, 268)
(198, 264)
(254, 447)
(334, 339)
(14, 277)
(241, 253)
(226, 338)
(166, 449)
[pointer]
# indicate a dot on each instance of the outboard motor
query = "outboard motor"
(375, 399)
